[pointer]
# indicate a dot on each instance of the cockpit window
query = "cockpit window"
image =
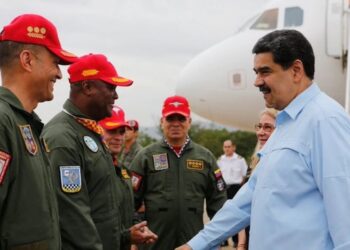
(248, 23)
(267, 20)
(294, 16)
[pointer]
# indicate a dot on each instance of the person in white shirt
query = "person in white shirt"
(234, 169)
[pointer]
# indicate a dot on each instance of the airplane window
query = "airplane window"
(267, 20)
(248, 23)
(293, 17)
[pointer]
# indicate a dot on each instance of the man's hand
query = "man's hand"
(140, 234)
(184, 247)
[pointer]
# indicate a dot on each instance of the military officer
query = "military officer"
(30, 53)
(114, 135)
(82, 166)
(131, 146)
(173, 177)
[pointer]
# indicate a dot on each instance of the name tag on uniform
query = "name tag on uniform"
(160, 161)
(195, 164)
(70, 179)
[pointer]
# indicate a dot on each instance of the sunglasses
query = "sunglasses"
(172, 118)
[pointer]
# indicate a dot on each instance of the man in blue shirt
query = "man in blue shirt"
(299, 195)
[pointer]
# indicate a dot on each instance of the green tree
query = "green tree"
(213, 138)
(144, 139)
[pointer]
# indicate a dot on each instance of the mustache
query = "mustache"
(264, 89)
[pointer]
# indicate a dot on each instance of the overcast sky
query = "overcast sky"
(149, 41)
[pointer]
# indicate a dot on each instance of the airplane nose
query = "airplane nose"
(219, 83)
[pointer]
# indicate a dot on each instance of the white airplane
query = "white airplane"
(219, 81)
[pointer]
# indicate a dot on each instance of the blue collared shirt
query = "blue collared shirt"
(299, 195)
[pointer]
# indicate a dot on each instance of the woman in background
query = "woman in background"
(263, 130)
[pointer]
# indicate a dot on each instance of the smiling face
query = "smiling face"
(45, 73)
(264, 128)
(276, 84)
(103, 96)
(115, 139)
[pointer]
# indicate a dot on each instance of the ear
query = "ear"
(26, 59)
(298, 70)
(87, 87)
(189, 123)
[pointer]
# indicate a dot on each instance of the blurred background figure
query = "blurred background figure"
(234, 169)
(131, 146)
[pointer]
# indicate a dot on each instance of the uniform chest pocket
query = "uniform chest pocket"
(283, 163)
(156, 180)
(196, 182)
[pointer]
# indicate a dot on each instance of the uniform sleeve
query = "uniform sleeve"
(137, 168)
(330, 162)
(77, 227)
(228, 221)
(8, 166)
(216, 192)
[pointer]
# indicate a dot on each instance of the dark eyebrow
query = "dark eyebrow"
(262, 69)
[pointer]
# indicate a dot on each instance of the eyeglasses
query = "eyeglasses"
(172, 118)
(266, 127)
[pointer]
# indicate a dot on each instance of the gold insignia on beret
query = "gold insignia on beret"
(36, 32)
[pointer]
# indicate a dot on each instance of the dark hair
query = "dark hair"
(287, 46)
(10, 50)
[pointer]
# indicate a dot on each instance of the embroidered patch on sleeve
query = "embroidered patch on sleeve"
(195, 164)
(4, 163)
(136, 181)
(70, 179)
(125, 174)
(220, 183)
(218, 174)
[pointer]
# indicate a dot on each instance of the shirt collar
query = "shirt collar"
(73, 110)
(298, 103)
(11, 99)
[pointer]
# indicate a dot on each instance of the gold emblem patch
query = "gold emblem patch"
(125, 174)
(195, 164)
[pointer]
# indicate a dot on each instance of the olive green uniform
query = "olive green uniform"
(85, 182)
(125, 204)
(174, 190)
(126, 158)
(28, 206)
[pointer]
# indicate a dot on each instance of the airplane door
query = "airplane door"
(335, 36)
